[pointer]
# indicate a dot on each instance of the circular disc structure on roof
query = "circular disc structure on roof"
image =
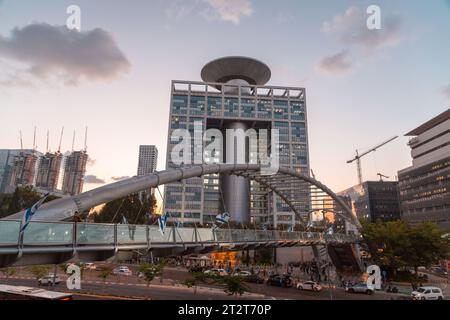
(225, 69)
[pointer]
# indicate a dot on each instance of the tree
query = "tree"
(21, 199)
(8, 272)
(39, 271)
(394, 245)
(131, 207)
(234, 285)
(150, 271)
(195, 280)
(105, 272)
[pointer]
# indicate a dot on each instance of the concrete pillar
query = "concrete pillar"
(236, 190)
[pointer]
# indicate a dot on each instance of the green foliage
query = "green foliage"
(22, 198)
(105, 272)
(150, 271)
(234, 285)
(8, 272)
(134, 210)
(396, 244)
(39, 271)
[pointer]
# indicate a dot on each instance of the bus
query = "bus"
(8, 292)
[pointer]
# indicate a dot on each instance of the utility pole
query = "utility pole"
(60, 140)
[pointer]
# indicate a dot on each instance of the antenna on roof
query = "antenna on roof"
(85, 139)
(46, 147)
(21, 142)
(34, 139)
(60, 139)
(73, 139)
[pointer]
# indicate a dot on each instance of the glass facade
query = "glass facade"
(199, 199)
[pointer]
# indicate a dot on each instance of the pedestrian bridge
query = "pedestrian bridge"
(58, 242)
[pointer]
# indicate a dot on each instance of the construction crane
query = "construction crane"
(358, 157)
(60, 140)
(382, 176)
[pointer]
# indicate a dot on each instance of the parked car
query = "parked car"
(283, 281)
(196, 269)
(242, 273)
(309, 285)
(360, 288)
(218, 272)
(122, 270)
(427, 293)
(254, 278)
(49, 280)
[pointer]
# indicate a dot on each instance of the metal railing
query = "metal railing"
(43, 234)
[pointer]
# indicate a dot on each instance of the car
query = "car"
(217, 272)
(123, 270)
(360, 288)
(242, 273)
(89, 266)
(309, 285)
(283, 281)
(196, 269)
(254, 278)
(427, 293)
(49, 280)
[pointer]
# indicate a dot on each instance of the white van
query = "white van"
(427, 293)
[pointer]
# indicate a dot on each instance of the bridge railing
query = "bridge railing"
(40, 233)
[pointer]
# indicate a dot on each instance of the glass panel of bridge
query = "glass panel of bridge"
(9, 232)
(128, 234)
(48, 233)
(95, 233)
(205, 235)
(156, 236)
(185, 235)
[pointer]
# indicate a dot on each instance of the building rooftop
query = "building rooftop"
(444, 116)
(225, 69)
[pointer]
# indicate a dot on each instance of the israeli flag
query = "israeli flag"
(31, 211)
(179, 224)
(290, 228)
(329, 230)
(162, 221)
(124, 220)
(223, 218)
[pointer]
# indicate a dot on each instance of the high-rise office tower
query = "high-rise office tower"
(233, 95)
(74, 171)
(48, 171)
(425, 186)
(148, 158)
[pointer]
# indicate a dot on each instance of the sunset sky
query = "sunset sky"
(114, 76)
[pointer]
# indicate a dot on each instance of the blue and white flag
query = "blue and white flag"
(178, 224)
(290, 228)
(223, 218)
(162, 221)
(124, 220)
(31, 211)
(329, 230)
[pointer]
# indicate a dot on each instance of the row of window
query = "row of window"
(233, 107)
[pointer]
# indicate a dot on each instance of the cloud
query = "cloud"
(119, 178)
(91, 162)
(50, 51)
(446, 91)
(339, 63)
(350, 28)
(228, 10)
(225, 10)
(92, 179)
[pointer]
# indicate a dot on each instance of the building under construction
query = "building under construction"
(48, 171)
(74, 171)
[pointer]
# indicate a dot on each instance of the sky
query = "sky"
(362, 86)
